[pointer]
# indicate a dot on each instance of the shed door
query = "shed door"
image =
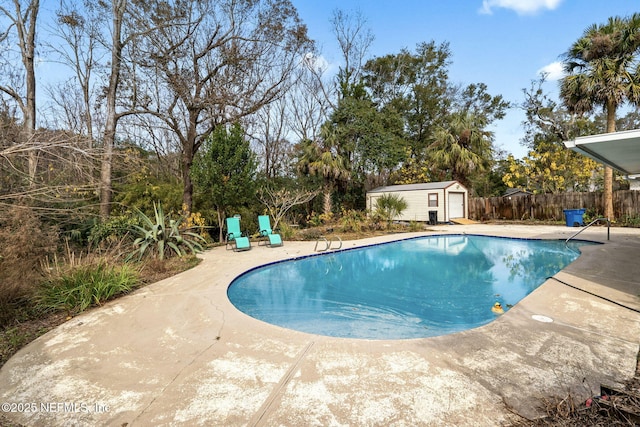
(456, 205)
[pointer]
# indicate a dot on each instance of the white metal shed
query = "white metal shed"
(427, 202)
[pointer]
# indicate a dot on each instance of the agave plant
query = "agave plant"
(162, 236)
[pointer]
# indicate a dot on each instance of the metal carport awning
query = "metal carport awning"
(620, 150)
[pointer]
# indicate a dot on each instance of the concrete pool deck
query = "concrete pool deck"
(178, 353)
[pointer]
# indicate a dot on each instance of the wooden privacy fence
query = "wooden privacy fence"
(551, 206)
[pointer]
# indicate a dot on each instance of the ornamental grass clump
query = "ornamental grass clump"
(82, 286)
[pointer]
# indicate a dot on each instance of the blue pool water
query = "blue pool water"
(406, 289)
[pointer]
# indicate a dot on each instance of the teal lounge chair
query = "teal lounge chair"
(265, 231)
(235, 238)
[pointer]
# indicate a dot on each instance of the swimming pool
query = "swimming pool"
(412, 288)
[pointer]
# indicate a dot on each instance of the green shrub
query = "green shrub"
(162, 236)
(84, 285)
(590, 214)
(113, 229)
(352, 221)
(314, 220)
(630, 220)
(142, 194)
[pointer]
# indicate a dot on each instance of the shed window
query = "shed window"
(433, 200)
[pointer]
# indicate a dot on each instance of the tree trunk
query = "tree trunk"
(30, 117)
(327, 205)
(187, 189)
(221, 224)
(87, 111)
(188, 152)
(27, 40)
(105, 171)
(119, 7)
(608, 172)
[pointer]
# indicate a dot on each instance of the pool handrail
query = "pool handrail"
(589, 225)
(333, 239)
(315, 249)
(328, 243)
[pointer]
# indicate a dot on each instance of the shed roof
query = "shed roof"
(414, 187)
(512, 191)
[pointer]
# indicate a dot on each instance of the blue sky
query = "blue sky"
(502, 43)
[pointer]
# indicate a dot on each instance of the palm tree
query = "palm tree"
(462, 146)
(320, 158)
(390, 206)
(602, 71)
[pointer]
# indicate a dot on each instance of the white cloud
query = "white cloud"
(553, 71)
(521, 7)
(319, 64)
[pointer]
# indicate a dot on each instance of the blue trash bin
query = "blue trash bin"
(574, 217)
(578, 217)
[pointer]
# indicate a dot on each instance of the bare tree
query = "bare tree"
(77, 44)
(63, 177)
(269, 130)
(23, 19)
(151, 133)
(310, 102)
(280, 201)
(127, 27)
(91, 32)
(118, 9)
(220, 61)
(296, 116)
(354, 39)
